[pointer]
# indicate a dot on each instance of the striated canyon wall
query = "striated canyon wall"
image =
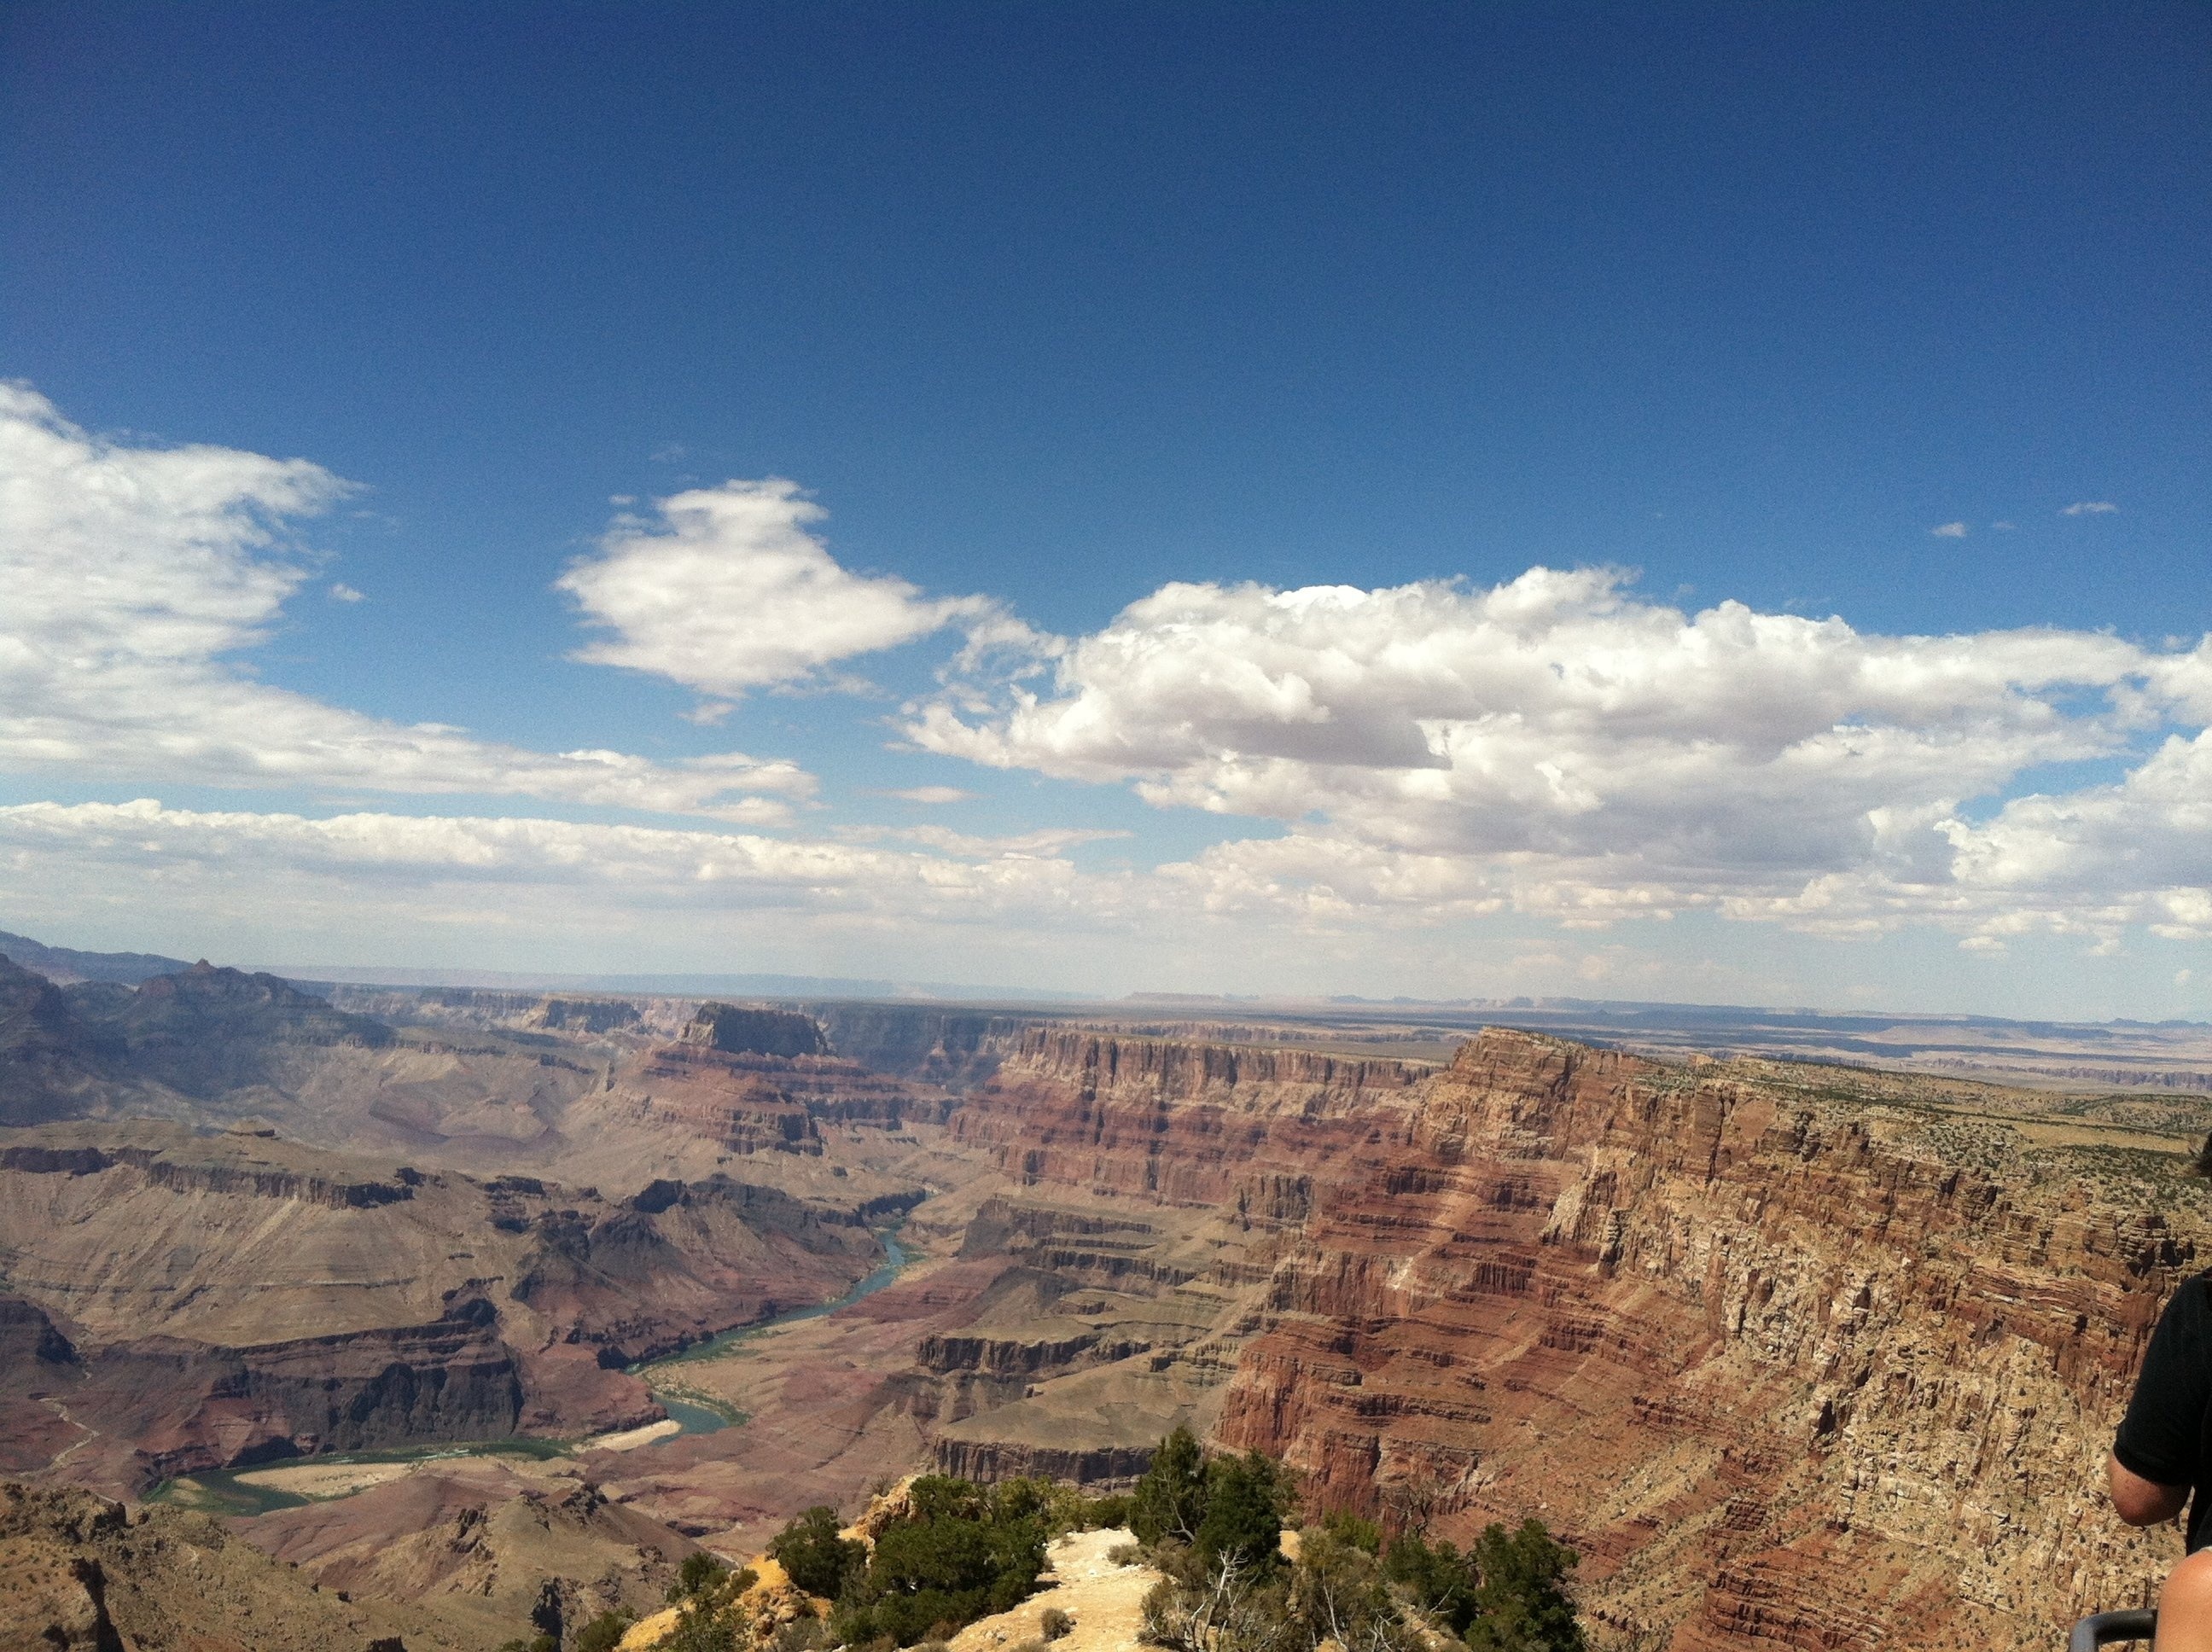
(1791, 1363)
(172, 1302)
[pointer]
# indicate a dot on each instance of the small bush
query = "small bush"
(603, 1634)
(1126, 1554)
(1349, 1528)
(1436, 1578)
(1170, 1500)
(802, 1635)
(702, 1630)
(1246, 1499)
(817, 1559)
(699, 1574)
(1055, 1624)
(1104, 1514)
(963, 1551)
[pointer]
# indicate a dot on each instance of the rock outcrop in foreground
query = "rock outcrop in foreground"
(78, 1571)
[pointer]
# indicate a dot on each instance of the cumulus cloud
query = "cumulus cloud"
(930, 794)
(131, 572)
(726, 591)
(344, 592)
(1558, 746)
(1949, 531)
(2090, 507)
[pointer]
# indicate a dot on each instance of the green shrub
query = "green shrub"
(1170, 1500)
(1246, 1499)
(603, 1634)
(1436, 1578)
(817, 1559)
(1348, 1528)
(700, 1573)
(1104, 1514)
(701, 1629)
(1337, 1593)
(1521, 1604)
(962, 1552)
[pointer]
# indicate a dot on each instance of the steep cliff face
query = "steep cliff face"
(183, 1407)
(952, 1049)
(1182, 1122)
(748, 1101)
(1793, 1357)
(1789, 1369)
(209, 1031)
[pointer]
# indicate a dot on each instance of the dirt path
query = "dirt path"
(1106, 1601)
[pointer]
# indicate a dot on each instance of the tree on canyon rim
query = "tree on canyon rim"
(1170, 1501)
(1214, 1530)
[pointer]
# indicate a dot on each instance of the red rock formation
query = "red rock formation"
(750, 1103)
(1182, 1122)
(181, 1302)
(1789, 1365)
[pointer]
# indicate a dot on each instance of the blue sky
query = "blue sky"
(1050, 308)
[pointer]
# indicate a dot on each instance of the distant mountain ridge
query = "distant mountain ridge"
(62, 965)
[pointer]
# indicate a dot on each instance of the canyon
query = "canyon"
(1793, 1354)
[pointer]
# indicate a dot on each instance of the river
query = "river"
(249, 1490)
(700, 1418)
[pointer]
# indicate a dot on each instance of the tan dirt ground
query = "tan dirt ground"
(1106, 1601)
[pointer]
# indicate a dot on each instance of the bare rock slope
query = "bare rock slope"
(78, 1571)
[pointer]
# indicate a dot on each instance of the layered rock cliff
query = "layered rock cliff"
(1793, 1357)
(172, 1302)
(1179, 1121)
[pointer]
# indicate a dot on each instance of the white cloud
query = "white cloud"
(344, 593)
(931, 794)
(1557, 745)
(390, 872)
(729, 592)
(1949, 531)
(130, 572)
(2090, 508)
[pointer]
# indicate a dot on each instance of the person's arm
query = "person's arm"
(2140, 1501)
(2154, 1463)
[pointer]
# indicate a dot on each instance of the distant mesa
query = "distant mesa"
(583, 1014)
(737, 1031)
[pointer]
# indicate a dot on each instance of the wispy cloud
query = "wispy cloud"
(133, 573)
(931, 794)
(2090, 508)
(1950, 531)
(344, 592)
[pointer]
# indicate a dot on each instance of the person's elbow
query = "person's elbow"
(2140, 1501)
